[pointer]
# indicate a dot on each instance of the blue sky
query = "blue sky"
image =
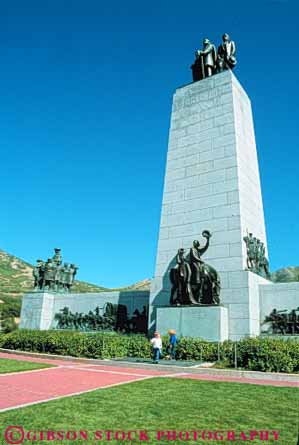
(85, 100)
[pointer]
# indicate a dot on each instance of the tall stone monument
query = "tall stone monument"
(212, 182)
(212, 270)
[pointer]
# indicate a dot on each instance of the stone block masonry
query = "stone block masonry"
(39, 308)
(208, 322)
(212, 182)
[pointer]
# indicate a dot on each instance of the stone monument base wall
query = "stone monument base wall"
(243, 308)
(240, 294)
(39, 308)
(278, 296)
(207, 322)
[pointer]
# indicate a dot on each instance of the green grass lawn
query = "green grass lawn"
(9, 365)
(168, 404)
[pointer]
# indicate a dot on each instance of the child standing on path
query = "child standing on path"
(156, 342)
(172, 343)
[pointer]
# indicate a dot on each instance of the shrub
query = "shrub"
(196, 349)
(257, 354)
(8, 325)
(10, 308)
(268, 354)
(77, 344)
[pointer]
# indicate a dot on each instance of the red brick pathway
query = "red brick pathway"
(70, 378)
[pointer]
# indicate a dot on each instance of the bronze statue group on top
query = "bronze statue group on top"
(52, 275)
(209, 61)
(193, 281)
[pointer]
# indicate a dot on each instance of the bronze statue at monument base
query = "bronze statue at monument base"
(194, 282)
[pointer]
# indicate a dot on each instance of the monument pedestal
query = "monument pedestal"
(37, 310)
(207, 322)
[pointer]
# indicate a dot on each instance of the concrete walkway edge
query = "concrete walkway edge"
(258, 375)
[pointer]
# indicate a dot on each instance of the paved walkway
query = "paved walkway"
(67, 378)
(74, 377)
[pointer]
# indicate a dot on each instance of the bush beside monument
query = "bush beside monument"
(256, 354)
